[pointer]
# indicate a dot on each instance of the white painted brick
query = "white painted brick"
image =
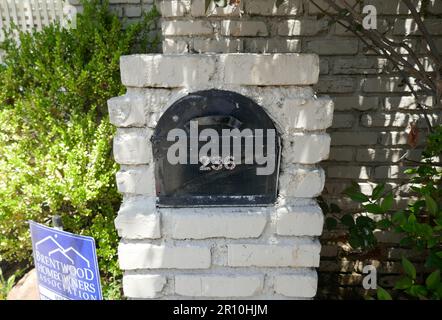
(137, 180)
(143, 286)
(341, 154)
(198, 8)
(132, 146)
(386, 155)
(254, 69)
(392, 172)
(302, 285)
(333, 47)
(384, 120)
(409, 27)
(235, 28)
(405, 102)
(186, 28)
(227, 11)
(334, 84)
(349, 172)
(393, 7)
(312, 9)
(127, 111)
(271, 8)
(148, 256)
(353, 138)
(366, 65)
(355, 102)
(166, 70)
(202, 223)
(157, 99)
(272, 45)
(299, 221)
(174, 8)
(301, 27)
(175, 46)
(217, 45)
(399, 138)
(305, 114)
(300, 182)
(306, 148)
(384, 84)
(297, 254)
(343, 120)
(132, 11)
(222, 286)
(138, 218)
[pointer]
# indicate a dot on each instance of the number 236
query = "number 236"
(217, 163)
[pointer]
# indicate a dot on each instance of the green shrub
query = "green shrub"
(419, 223)
(55, 137)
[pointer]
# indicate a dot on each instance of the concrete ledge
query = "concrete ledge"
(127, 111)
(306, 148)
(301, 182)
(143, 286)
(167, 71)
(204, 223)
(134, 256)
(138, 218)
(271, 69)
(189, 70)
(221, 286)
(299, 221)
(132, 146)
(300, 285)
(303, 114)
(136, 180)
(298, 253)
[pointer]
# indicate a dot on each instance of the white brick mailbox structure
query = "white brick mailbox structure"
(248, 252)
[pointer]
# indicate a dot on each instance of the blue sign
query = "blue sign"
(66, 264)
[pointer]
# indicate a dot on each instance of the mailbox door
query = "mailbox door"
(215, 180)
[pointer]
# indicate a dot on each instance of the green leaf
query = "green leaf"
(409, 268)
(363, 221)
(373, 208)
(354, 192)
(432, 242)
(347, 220)
(383, 294)
(399, 218)
(439, 290)
(403, 283)
(407, 241)
(433, 280)
(335, 208)
(378, 191)
(384, 224)
(355, 242)
(331, 223)
(387, 203)
(431, 205)
(358, 197)
(418, 291)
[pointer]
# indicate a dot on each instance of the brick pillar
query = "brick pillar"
(221, 252)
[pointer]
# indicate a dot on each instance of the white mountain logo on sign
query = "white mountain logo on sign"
(69, 253)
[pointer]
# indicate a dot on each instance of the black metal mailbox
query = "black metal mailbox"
(216, 148)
